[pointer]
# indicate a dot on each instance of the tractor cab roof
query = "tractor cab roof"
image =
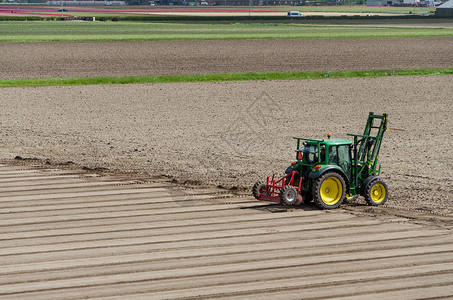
(327, 142)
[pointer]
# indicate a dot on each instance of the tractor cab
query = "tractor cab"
(320, 155)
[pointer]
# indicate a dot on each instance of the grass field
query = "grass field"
(137, 10)
(219, 77)
(50, 31)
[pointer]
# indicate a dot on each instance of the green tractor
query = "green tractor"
(331, 171)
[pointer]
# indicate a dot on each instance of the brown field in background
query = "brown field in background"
(88, 59)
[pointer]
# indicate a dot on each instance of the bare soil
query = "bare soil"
(71, 234)
(66, 60)
(235, 133)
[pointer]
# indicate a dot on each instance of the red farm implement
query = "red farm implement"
(282, 190)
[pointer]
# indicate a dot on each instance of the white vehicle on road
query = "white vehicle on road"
(294, 14)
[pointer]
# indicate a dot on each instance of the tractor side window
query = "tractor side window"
(333, 155)
(344, 158)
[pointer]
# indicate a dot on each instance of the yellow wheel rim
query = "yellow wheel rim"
(377, 193)
(331, 191)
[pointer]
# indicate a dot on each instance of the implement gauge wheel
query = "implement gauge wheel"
(259, 189)
(329, 190)
(376, 192)
(288, 195)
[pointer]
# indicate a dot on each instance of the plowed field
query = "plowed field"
(168, 232)
(66, 60)
(69, 234)
(235, 133)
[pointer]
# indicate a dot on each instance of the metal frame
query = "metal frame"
(273, 187)
(366, 149)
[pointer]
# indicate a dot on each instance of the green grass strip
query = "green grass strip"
(218, 77)
(50, 31)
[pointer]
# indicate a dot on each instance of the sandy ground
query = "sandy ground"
(42, 60)
(68, 233)
(71, 234)
(233, 134)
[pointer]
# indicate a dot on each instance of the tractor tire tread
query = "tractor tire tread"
(256, 189)
(317, 186)
(367, 194)
(283, 192)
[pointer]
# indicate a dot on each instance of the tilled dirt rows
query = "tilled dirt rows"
(236, 133)
(63, 60)
(69, 234)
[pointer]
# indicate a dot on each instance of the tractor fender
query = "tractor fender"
(316, 174)
(366, 182)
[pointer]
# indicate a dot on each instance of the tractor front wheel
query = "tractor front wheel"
(376, 192)
(259, 189)
(329, 190)
(288, 195)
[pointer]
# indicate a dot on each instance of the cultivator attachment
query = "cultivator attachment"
(280, 191)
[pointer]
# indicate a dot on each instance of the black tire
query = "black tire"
(376, 192)
(288, 195)
(329, 190)
(258, 189)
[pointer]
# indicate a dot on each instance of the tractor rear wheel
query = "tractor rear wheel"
(288, 195)
(329, 190)
(259, 189)
(376, 192)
